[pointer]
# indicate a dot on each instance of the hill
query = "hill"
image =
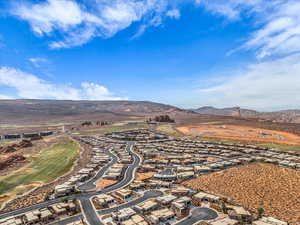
(285, 116)
(33, 111)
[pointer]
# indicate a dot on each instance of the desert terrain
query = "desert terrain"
(274, 188)
(242, 133)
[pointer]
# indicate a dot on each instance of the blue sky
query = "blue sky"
(187, 53)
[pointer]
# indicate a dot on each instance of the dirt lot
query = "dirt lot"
(274, 188)
(144, 176)
(103, 183)
(243, 133)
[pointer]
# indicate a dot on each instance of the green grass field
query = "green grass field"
(49, 164)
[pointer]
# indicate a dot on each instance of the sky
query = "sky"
(187, 53)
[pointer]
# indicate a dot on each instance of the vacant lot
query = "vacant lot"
(144, 176)
(168, 129)
(103, 183)
(45, 167)
(242, 133)
(274, 188)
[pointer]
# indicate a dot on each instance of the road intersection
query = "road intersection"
(89, 212)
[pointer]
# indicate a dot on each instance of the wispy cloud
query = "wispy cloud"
(173, 13)
(273, 84)
(37, 61)
(276, 27)
(83, 21)
(30, 86)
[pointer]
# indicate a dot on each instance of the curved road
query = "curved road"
(87, 207)
(88, 210)
(147, 195)
(90, 185)
(198, 214)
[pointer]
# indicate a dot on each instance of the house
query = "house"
(31, 218)
(202, 169)
(224, 221)
(238, 213)
(269, 221)
(205, 197)
(135, 220)
(161, 215)
(180, 191)
(104, 200)
(63, 189)
(46, 215)
(181, 206)
(186, 175)
(166, 200)
(58, 209)
(123, 214)
(158, 184)
(11, 221)
(124, 194)
(137, 185)
(146, 206)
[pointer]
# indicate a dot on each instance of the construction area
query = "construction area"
(241, 133)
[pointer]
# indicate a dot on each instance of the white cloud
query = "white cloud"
(32, 87)
(82, 22)
(174, 13)
(94, 91)
(280, 34)
(37, 61)
(276, 23)
(5, 97)
(268, 85)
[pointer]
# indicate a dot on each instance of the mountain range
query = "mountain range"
(47, 111)
(285, 116)
(32, 111)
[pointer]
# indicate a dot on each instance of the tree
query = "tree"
(260, 212)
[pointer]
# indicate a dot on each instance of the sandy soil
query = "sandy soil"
(144, 176)
(274, 188)
(103, 183)
(212, 159)
(242, 133)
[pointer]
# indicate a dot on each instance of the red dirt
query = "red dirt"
(274, 188)
(103, 183)
(242, 133)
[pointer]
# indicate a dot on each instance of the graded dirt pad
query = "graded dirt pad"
(212, 159)
(242, 133)
(144, 176)
(103, 183)
(274, 188)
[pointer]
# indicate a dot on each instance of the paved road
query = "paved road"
(128, 177)
(197, 215)
(88, 210)
(147, 195)
(90, 185)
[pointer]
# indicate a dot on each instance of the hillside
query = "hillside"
(31, 111)
(286, 116)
